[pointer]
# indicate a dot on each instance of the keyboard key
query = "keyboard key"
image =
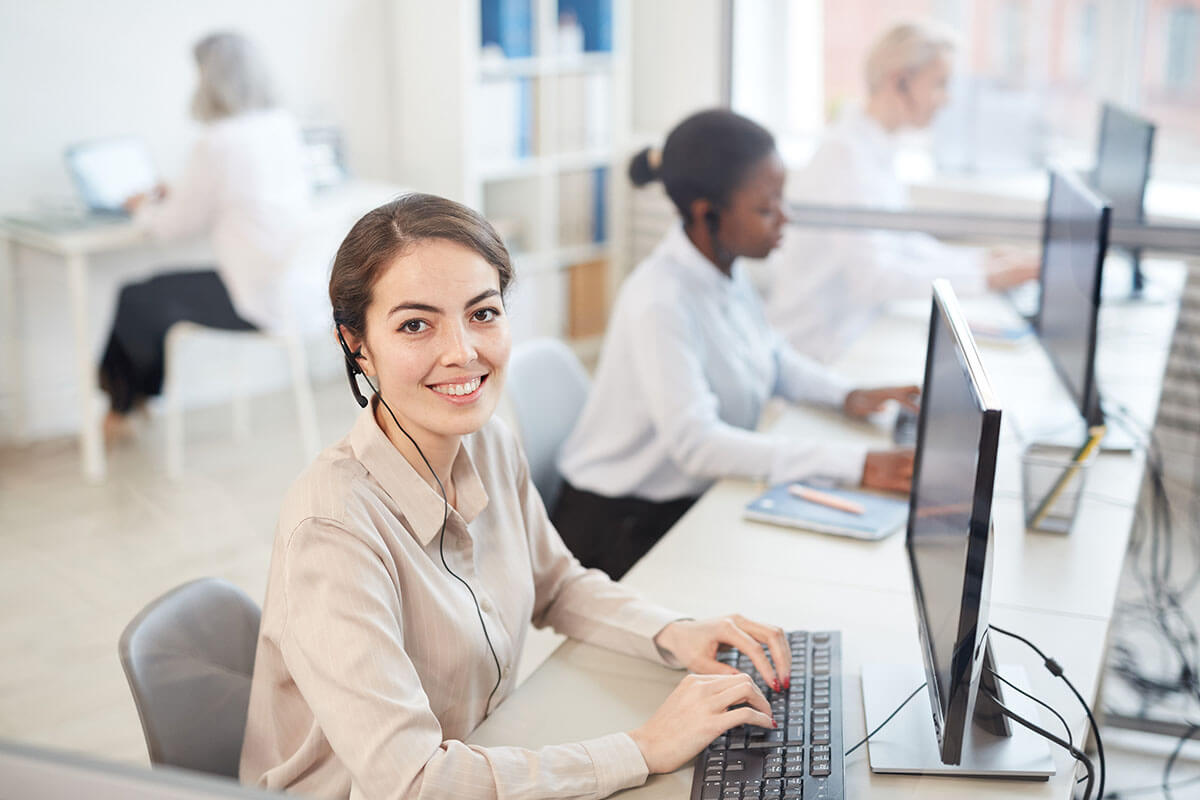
(771, 738)
(710, 791)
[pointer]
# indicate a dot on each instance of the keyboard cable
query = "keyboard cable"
(886, 721)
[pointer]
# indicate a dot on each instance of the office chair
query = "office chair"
(189, 656)
(547, 387)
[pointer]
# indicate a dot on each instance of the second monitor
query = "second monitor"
(956, 727)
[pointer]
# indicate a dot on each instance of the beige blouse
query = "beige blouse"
(372, 666)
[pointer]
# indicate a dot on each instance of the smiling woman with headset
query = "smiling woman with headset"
(689, 360)
(411, 557)
(827, 285)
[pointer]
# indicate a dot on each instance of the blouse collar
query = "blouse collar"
(681, 250)
(421, 503)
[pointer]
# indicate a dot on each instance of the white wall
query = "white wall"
(76, 69)
(676, 61)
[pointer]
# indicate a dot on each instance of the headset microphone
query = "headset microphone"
(352, 369)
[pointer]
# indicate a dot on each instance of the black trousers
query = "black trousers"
(612, 533)
(132, 367)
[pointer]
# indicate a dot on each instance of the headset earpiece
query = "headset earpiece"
(712, 220)
(352, 369)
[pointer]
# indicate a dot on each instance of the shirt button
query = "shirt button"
(486, 605)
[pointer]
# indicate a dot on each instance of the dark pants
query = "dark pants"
(612, 533)
(132, 367)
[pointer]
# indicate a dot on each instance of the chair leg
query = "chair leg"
(306, 408)
(239, 403)
(173, 400)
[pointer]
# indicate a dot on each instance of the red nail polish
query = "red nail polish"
(775, 684)
(774, 724)
(787, 683)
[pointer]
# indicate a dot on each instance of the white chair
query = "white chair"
(547, 387)
(292, 345)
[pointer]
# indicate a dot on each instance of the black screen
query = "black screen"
(950, 516)
(1074, 243)
(1123, 161)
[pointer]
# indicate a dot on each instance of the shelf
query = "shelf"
(544, 165)
(560, 258)
(542, 66)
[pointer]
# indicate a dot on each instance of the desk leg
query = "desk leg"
(91, 442)
(18, 431)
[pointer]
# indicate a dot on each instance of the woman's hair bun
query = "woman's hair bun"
(643, 167)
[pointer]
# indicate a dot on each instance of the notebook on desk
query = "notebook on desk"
(882, 515)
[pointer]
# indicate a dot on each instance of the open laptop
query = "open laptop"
(109, 171)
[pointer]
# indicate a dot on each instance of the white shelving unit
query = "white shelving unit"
(454, 137)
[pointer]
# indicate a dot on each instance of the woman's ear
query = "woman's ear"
(355, 348)
(704, 214)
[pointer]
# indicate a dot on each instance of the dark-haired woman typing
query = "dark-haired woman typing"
(689, 360)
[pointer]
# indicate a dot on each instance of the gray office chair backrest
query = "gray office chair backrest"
(189, 656)
(547, 387)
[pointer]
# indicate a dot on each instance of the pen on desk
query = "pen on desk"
(825, 499)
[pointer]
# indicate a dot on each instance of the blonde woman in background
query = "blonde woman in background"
(827, 285)
(245, 185)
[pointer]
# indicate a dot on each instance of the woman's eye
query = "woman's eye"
(486, 314)
(414, 326)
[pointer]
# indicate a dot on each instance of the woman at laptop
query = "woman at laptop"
(245, 186)
(689, 361)
(827, 285)
(411, 557)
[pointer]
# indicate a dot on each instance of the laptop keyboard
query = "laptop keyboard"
(800, 759)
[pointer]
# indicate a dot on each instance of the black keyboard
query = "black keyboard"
(802, 759)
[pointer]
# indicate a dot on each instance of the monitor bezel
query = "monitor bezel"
(950, 724)
(1087, 396)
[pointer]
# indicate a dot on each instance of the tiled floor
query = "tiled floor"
(78, 561)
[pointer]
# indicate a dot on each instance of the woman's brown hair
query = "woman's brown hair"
(385, 234)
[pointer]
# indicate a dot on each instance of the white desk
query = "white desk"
(1057, 590)
(75, 248)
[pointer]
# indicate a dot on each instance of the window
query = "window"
(1182, 34)
(1029, 79)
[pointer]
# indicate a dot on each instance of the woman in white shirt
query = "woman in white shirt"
(245, 184)
(826, 285)
(411, 557)
(689, 361)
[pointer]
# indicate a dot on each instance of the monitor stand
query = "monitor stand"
(908, 745)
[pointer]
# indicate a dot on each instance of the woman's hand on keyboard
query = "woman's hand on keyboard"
(696, 712)
(695, 642)
(862, 403)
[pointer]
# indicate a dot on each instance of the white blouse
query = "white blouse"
(245, 184)
(826, 285)
(689, 362)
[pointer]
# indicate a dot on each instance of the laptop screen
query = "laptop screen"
(108, 172)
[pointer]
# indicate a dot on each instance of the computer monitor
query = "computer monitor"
(1075, 239)
(949, 548)
(1123, 150)
(107, 172)
(28, 771)
(949, 520)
